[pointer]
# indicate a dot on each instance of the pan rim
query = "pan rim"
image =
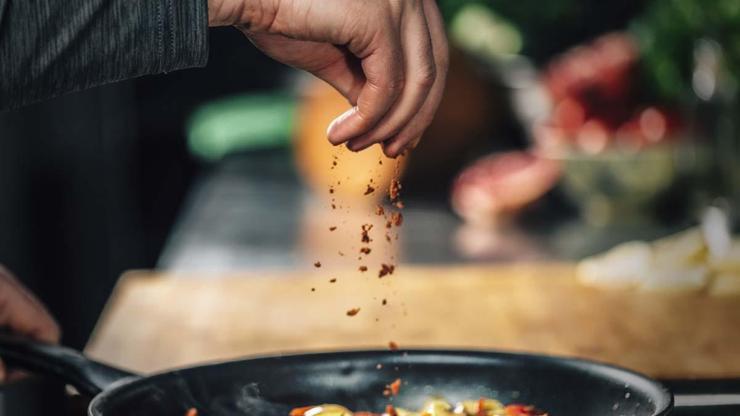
(663, 397)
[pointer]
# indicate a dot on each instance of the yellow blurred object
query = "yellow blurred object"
(325, 167)
(725, 284)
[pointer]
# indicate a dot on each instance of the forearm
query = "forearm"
(50, 47)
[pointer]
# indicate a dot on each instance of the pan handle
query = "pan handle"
(704, 393)
(89, 377)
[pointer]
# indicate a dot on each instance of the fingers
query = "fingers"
(384, 80)
(420, 75)
(411, 133)
(23, 313)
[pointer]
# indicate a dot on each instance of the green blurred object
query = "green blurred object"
(668, 32)
(239, 123)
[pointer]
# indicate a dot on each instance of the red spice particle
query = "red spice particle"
(363, 268)
(300, 411)
(481, 407)
(192, 412)
(395, 386)
(369, 190)
(399, 204)
(393, 346)
(333, 280)
(388, 224)
(390, 411)
(386, 269)
(353, 311)
(387, 237)
(397, 219)
(365, 250)
(317, 264)
(365, 236)
(332, 228)
(394, 190)
(379, 210)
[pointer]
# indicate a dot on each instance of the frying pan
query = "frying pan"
(273, 385)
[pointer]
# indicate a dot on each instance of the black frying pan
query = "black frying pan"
(273, 385)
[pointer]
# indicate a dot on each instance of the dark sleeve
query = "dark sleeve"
(51, 47)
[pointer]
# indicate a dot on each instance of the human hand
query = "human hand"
(389, 58)
(23, 314)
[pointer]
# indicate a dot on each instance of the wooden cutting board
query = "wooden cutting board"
(156, 321)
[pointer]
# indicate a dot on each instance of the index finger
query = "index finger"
(384, 78)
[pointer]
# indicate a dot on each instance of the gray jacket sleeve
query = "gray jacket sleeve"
(51, 47)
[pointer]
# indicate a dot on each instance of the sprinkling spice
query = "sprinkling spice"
(399, 204)
(365, 250)
(340, 253)
(333, 280)
(363, 268)
(353, 311)
(385, 302)
(379, 210)
(380, 162)
(313, 289)
(192, 412)
(332, 228)
(334, 163)
(387, 237)
(386, 269)
(390, 410)
(397, 219)
(394, 190)
(393, 346)
(369, 190)
(331, 190)
(388, 224)
(395, 387)
(365, 236)
(317, 264)
(333, 206)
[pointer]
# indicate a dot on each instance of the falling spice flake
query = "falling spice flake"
(192, 412)
(340, 253)
(390, 410)
(333, 206)
(317, 264)
(333, 280)
(363, 268)
(365, 250)
(313, 289)
(393, 388)
(334, 163)
(387, 237)
(379, 210)
(386, 269)
(397, 219)
(394, 190)
(392, 346)
(365, 236)
(353, 311)
(331, 190)
(369, 190)
(388, 224)
(385, 302)
(399, 204)
(332, 228)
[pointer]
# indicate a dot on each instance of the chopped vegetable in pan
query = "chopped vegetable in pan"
(434, 407)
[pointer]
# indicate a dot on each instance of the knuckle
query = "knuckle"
(426, 77)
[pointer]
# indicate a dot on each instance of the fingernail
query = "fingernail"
(335, 128)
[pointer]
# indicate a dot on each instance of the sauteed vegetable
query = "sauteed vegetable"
(434, 407)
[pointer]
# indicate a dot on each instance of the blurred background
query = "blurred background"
(567, 127)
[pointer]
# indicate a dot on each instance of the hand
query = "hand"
(389, 58)
(23, 314)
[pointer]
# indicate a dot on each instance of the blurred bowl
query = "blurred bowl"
(617, 185)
